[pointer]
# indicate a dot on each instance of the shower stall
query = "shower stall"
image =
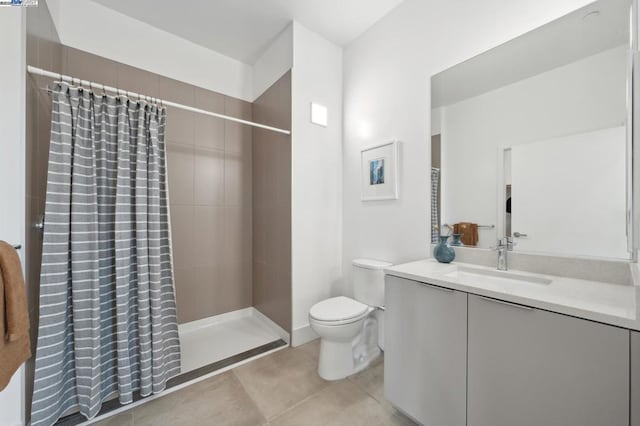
(229, 203)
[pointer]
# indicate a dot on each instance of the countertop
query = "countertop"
(613, 304)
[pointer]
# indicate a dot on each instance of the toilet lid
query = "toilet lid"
(337, 309)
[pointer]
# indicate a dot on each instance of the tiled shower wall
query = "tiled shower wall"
(209, 163)
(272, 204)
(44, 51)
(209, 168)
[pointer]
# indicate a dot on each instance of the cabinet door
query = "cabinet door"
(425, 351)
(529, 367)
(635, 378)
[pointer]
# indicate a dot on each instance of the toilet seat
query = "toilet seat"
(338, 311)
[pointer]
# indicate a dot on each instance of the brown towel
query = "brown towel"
(469, 232)
(15, 346)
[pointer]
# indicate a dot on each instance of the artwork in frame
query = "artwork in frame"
(380, 172)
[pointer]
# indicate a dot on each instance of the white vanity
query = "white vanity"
(531, 146)
(469, 345)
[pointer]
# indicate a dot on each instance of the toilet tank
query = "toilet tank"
(368, 281)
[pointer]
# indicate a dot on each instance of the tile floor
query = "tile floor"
(280, 389)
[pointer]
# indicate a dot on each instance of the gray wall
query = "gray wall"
(272, 204)
(209, 162)
(44, 51)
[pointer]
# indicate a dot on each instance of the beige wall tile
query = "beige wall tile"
(271, 183)
(238, 279)
(138, 80)
(237, 179)
(237, 136)
(237, 234)
(182, 235)
(201, 181)
(187, 294)
(207, 288)
(208, 241)
(209, 131)
(180, 172)
(87, 66)
(209, 177)
(179, 126)
(176, 91)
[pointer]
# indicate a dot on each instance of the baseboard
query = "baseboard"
(216, 319)
(281, 332)
(302, 335)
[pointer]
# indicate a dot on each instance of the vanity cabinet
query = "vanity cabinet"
(529, 367)
(426, 351)
(635, 378)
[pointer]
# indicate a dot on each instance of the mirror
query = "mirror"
(532, 139)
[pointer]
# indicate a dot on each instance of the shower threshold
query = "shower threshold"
(209, 347)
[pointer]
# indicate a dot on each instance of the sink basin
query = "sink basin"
(465, 273)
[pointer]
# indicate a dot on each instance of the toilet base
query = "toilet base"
(340, 359)
(336, 360)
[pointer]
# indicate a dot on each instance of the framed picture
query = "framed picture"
(380, 172)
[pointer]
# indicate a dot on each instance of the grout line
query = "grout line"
(276, 416)
(244, 389)
(132, 406)
(302, 401)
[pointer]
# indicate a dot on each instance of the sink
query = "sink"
(465, 273)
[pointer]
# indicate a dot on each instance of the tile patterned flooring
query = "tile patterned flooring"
(277, 390)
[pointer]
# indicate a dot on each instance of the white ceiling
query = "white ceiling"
(563, 41)
(241, 29)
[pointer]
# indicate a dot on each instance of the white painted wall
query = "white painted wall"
(276, 60)
(387, 95)
(316, 216)
(12, 167)
(568, 194)
(586, 95)
(94, 28)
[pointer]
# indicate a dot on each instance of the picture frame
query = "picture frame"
(379, 170)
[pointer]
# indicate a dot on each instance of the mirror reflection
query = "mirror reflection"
(535, 148)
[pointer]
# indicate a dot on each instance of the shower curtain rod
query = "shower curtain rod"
(73, 80)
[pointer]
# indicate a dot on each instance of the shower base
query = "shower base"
(213, 339)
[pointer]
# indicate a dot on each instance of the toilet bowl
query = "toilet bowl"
(349, 329)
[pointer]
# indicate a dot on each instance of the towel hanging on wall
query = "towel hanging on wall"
(469, 232)
(15, 345)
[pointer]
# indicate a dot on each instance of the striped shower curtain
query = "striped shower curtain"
(107, 302)
(435, 204)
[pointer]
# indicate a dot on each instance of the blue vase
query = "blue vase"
(443, 252)
(456, 239)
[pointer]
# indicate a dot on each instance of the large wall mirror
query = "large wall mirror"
(532, 139)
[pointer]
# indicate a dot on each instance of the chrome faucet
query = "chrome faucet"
(503, 246)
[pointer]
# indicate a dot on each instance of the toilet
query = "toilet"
(351, 330)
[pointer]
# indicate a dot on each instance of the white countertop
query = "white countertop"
(614, 304)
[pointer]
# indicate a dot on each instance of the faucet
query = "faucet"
(503, 246)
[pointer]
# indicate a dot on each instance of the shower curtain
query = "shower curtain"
(107, 302)
(435, 205)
